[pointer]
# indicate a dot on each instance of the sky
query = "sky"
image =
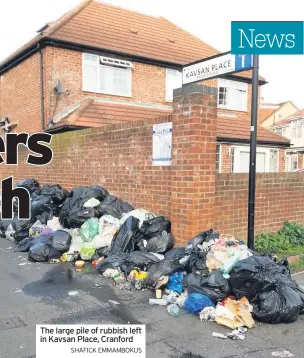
(208, 20)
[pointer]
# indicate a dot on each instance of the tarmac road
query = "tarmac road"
(38, 294)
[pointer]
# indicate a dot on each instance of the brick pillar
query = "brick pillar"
(193, 161)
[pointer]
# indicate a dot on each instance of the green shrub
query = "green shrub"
(294, 233)
(272, 242)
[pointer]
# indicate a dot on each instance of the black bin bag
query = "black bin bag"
(72, 213)
(176, 254)
(55, 192)
(162, 268)
(43, 253)
(275, 297)
(126, 238)
(254, 275)
(141, 260)
(30, 184)
(27, 243)
(156, 226)
(61, 241)
(215, 285)
(114, 207)
(111, 262)
(21, 228)
(160, 243)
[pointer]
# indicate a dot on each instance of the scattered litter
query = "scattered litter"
(23, 263)
(9, 248)
(18, 291)
(196, 302)
(114, 302)
(73, 293)
(173, 309)
(219, 335)
(234, 314)
(283, 354)
(208, 314)
(237, 333)
(157, 301)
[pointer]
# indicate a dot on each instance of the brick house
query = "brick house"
(270, 113)
(102, 64)
(292, 128)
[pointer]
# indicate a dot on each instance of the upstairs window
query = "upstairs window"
(297, 129)
(232, 95)
(173, 81)
(106, 75)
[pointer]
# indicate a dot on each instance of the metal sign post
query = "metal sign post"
(253, 143)
(226, 64)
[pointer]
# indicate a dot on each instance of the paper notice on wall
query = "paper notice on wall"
(162, 144)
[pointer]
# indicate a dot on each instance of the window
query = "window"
(291, 162)
(232, 159)
(273, 161)
(218, 158)
(173, 81)
(106, 75)
(232, 95)
(297, 129)
(266, 160)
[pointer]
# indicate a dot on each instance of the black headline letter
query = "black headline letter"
(12, 142)
(8, 194)
(38, 148)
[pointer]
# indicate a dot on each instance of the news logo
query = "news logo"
(267, 37)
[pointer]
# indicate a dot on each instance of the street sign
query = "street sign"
(216, 66)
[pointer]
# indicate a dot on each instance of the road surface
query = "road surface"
(38, 294)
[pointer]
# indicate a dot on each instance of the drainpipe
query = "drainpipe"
(41, 87)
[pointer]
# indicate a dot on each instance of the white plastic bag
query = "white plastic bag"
(108, 226)
(9, 233)
(54, 224)
(76, 242)
(141, 214)
(91, 203)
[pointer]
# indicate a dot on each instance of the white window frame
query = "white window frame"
(220, 159)
(288, 161)
(106, 62)
(278, 159)
(237, 158)
(232, 86)
(169, 96)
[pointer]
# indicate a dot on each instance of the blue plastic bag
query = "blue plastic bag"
(175, 282)
(196, 302)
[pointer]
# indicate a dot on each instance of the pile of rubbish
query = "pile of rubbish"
(215, 277)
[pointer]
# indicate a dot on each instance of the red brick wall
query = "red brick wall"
(279, 197)
(20, 95)
(118, 157)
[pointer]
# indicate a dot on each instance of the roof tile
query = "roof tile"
(112, 28)
(97, 114)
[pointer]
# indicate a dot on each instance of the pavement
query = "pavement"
(34, 293)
